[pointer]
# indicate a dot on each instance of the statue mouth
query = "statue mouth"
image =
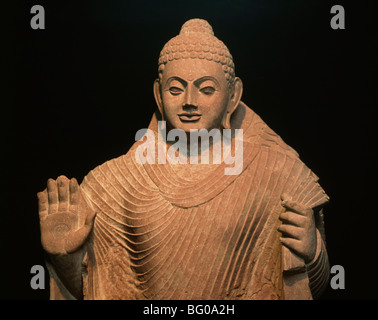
(190, 117)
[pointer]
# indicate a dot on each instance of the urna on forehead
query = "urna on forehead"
(197, 41)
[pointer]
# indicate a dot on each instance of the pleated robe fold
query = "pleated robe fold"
(158, 235)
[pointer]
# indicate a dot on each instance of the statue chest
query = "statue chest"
(226, 246)
(206, 250)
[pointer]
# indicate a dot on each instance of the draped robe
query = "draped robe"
(161, 235)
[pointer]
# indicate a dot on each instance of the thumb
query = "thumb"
(90, 218)
(78, 238)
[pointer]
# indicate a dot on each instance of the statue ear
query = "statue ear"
(236, 95)
(157, 95)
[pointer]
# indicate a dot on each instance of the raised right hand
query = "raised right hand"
(60, 206)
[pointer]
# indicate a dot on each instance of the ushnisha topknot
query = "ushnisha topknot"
(197, 41)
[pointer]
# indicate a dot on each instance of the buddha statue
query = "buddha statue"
(137, 229)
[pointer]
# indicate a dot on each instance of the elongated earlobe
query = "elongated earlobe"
(227, 121)
(237, 94)
(159, 103)
(234, 102)
(158, 98)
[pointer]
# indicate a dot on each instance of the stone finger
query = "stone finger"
(52, 193)
(290, 231)
(43, 204)
(292, 244)
(289, 217)
(74, 195)
(296, 207)
(63, 186)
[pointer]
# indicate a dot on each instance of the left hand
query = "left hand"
(298, 229)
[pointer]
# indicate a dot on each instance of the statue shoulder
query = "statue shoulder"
(258, 132)
(105, 171)
(307, 189)
(273, 140)
(118, 168)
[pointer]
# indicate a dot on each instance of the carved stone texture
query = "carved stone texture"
(137, 230)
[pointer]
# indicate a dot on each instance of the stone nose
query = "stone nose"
(190, 97)
(189, 108)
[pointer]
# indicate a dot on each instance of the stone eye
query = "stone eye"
(175, 91)
(208, 90)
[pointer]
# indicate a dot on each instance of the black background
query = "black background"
(77, 92)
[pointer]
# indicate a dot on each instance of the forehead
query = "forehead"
(193, 69)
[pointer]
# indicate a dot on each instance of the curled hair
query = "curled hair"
(197, 41)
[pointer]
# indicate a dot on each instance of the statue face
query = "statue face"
(194, 94)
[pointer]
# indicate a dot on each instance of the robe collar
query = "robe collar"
(188, 193)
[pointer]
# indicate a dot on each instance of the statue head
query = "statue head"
(197, 87)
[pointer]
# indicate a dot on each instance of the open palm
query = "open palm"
(59, 206)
